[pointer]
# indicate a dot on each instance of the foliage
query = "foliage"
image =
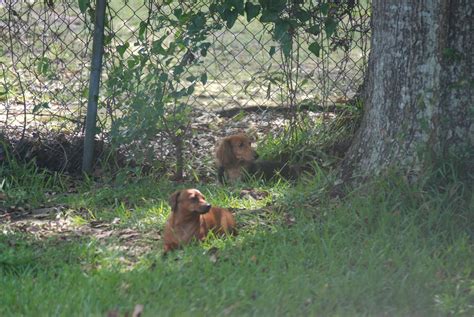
(287, 17)
(151, 79)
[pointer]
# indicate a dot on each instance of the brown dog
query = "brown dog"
(235, 158)
(192, 217)
(234, 155)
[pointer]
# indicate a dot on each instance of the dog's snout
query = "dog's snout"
(205, 208)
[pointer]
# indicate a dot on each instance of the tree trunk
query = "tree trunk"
(419, 92)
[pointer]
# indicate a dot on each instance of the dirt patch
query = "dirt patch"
(59, 222)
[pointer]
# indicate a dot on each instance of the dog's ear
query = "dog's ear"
(173, 200)
(224, 154)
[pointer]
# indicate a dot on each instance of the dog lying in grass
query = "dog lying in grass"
(236, 158)
(192, 217)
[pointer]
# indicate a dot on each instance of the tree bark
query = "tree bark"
(419, 91)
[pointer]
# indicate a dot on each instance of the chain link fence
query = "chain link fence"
(45, 53)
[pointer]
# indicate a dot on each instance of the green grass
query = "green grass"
(388, 248)
(24, 185)
(314, 140)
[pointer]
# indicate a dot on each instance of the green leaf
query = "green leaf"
(178, 94)
(91, 13)
(108, 39)
(191, 78)
(171, 49)
(106, 22)
(324, 8)
(40, 106)
(281, 29)
(83, 5)
(251, 10)
(274, 5)
(204, 78)
(142, 29)
(239, 116)
(85, 92)
(315, 48)
(230, 16)
(178, 12)
(43, 66)
(272, 51)
(286, 43)
(269, 16)
(131, 63)
(178, 70)
(315, 29)
(122, 48)
(190, 90)
(156, 47)
(204, 47)
(237, 5)
(198, 22)
(330, 26)
(302, 15)
(163, 77)
(216, 8)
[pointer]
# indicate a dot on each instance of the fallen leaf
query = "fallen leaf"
(104, 234)
(115, 221)
(138, 310)
(43, 212)
(128, 234)
(289, 220)
(213, 258)
(253, 194)
(113, 313)
(229, 309)
(99, 224)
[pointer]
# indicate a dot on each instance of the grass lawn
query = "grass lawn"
(387, 248)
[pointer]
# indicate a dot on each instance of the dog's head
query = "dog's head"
(234, 150)
(189, 201)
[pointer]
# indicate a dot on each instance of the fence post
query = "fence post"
(96, 66)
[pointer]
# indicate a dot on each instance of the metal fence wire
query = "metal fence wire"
(45, 54)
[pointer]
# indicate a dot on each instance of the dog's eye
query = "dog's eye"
(241, 144)
(195, 199)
